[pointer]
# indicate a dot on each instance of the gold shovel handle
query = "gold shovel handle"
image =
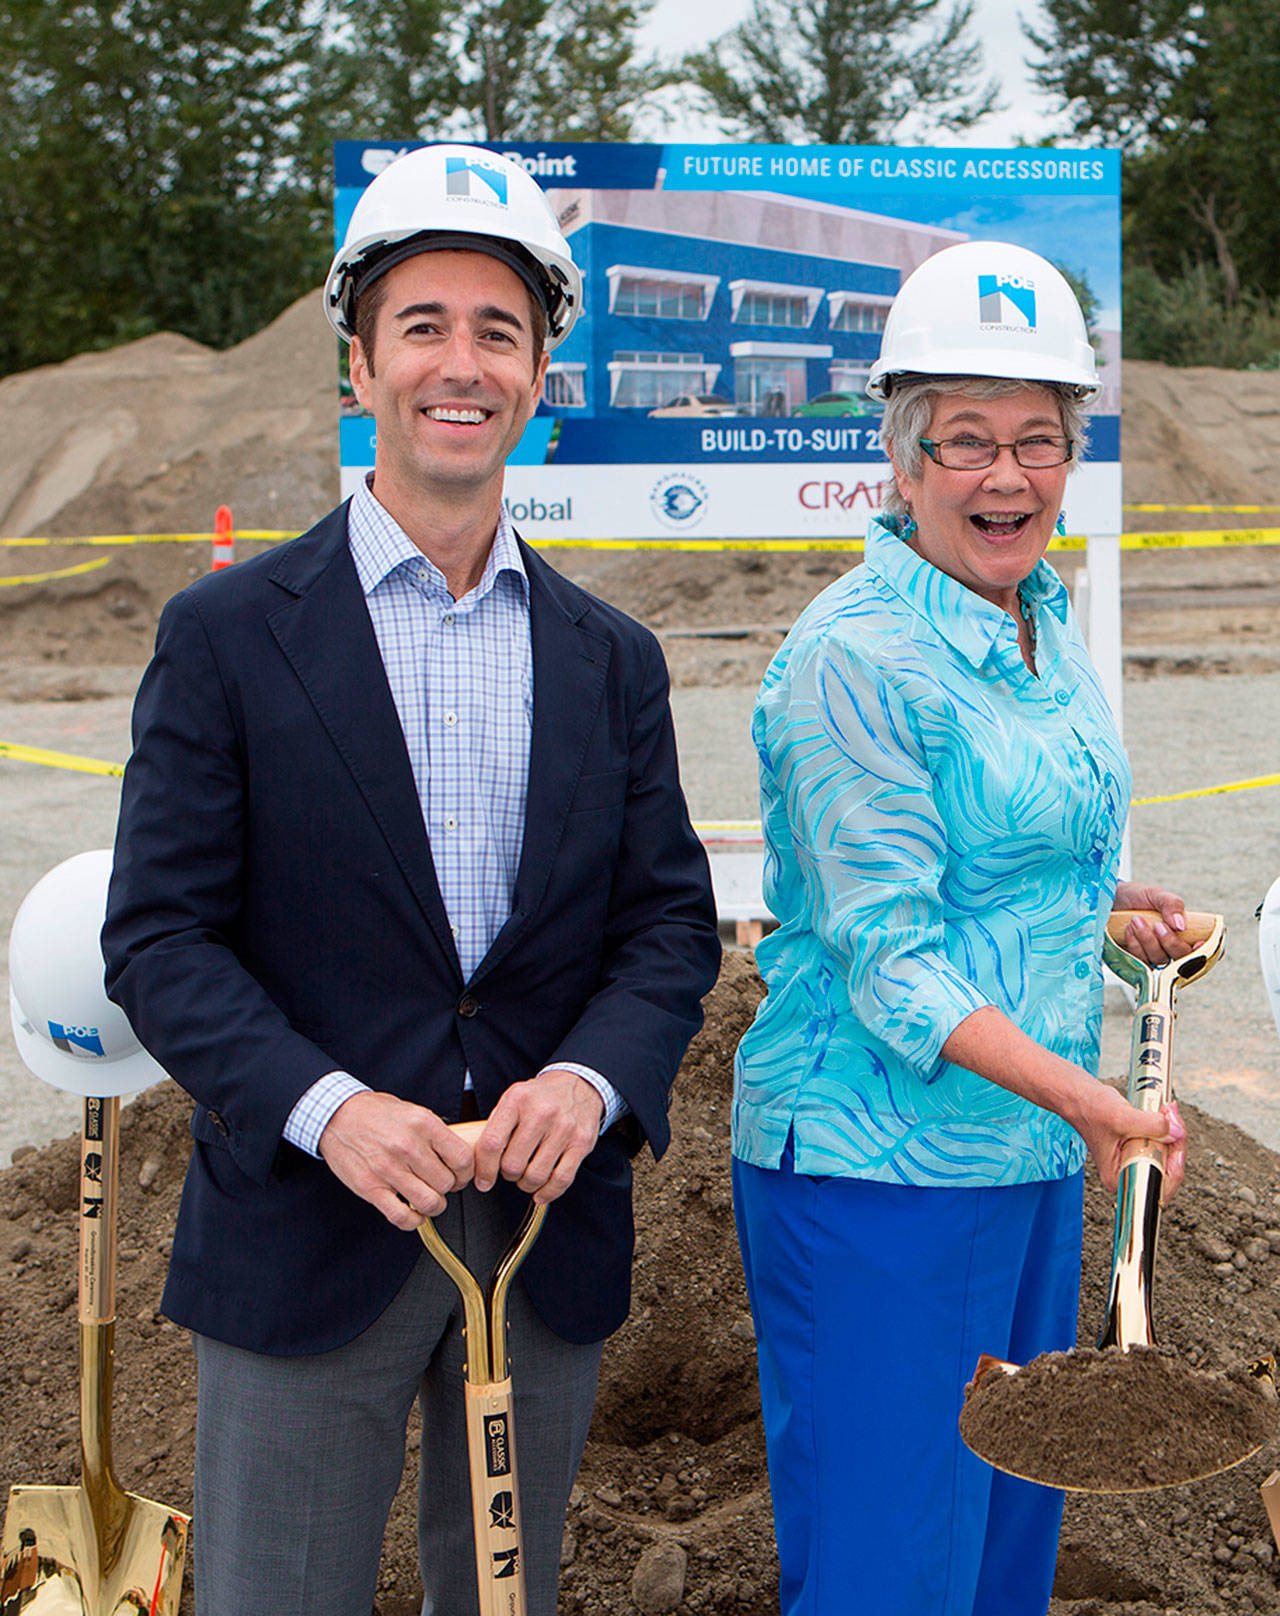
(1200, 926)
(486, 1317)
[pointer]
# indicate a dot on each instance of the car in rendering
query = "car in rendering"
(703, 404)
(836, 404)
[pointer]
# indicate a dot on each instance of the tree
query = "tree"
(392, 72)
(492, 69)
(1187, 89)
(145, 152)
(846, 72)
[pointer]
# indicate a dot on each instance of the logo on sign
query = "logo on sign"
(76, 1040)
(678, 500)
(1008, 301)
(464, 175)
(497, 1445)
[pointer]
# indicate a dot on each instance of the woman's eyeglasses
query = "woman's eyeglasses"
(973, 454)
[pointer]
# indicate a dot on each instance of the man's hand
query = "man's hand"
(399, 1157)
(538, 1134)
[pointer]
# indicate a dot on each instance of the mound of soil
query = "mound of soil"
(672, 1510)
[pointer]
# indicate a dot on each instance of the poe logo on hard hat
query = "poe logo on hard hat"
(1008, 301)
(679, 500)
(462, 176)
(76, 1040)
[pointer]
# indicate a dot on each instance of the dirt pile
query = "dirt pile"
(672, 1507)
(153, 436)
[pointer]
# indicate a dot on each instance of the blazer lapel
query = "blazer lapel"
(569, 668)
(324, 630)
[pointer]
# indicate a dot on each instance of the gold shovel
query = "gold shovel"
(495, 1492)
(1128, 1322)
(93, 1549)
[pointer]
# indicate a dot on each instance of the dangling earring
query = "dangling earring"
(1060, 526)
(909, 528)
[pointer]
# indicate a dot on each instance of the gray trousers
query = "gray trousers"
(298, 1459)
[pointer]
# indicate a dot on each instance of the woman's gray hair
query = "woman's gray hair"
(909, 408)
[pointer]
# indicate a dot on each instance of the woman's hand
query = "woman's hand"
(1159, 942)
(988, 1043)
(1106, 1121)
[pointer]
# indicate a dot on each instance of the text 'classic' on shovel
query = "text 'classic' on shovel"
(495, 1490)
(93, 1549)
(1044, 1406)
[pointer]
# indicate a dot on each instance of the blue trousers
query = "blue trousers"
(872, 1303)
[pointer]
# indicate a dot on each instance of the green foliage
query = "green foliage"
(1186, 321)
(1188, 89)
(845, 71)
(141, 154)
(166, 164)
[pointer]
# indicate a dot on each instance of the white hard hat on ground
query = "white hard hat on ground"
(455, 197)
(1269, 947)
(987, 308)
(67, 1031)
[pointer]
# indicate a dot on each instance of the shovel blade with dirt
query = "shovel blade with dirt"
(1126, 1416)
(93, 1549)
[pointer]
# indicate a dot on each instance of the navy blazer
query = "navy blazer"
(274, 914)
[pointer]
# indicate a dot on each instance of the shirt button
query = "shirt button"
(1083, 969)
(447, 618)
(450, 823)
(468, 1007)
(451, 718)
(1062, 698)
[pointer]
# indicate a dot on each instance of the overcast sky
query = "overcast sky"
(678, 25)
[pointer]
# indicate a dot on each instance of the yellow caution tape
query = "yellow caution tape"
(1192, 540)
(58, 760)
(62, 572)
(1205, 540)
(1212, 791)
(270, 535)
(707, 829)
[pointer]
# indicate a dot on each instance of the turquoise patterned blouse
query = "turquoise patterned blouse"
(942, 830)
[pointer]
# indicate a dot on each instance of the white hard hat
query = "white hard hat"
(987, 308)
(461, 197)
(1269, 947)
(67, 1031)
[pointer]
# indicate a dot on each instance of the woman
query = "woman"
(943, 793)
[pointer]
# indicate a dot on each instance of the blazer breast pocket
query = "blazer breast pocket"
(597, 791)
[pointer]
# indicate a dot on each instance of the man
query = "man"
(402, 840)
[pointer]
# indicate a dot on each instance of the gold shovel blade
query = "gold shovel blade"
(51, 1561)
(1053, 1413)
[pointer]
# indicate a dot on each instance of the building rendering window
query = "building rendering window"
(647, 381)
(769, 378)
(565, 387)
(858, 311)
(660, 294)
(849, 377)
(773, 304)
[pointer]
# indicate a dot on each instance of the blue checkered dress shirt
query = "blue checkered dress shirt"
(461, 677)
